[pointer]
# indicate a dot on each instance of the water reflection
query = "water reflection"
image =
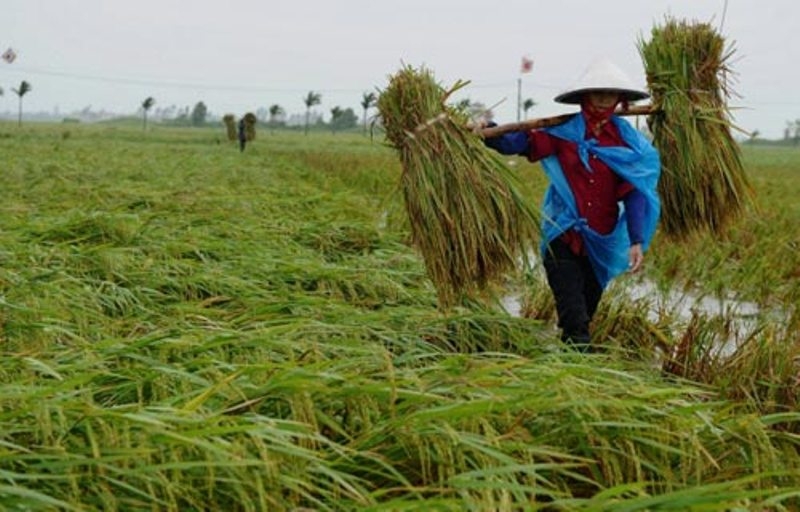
(740, 320)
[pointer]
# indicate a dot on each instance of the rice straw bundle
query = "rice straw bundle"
(230, 125)
(250, 126)
(468, 218)
(703, 184)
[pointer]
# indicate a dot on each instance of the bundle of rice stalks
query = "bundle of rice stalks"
(250, 126)
(230, 126)
(468, 218)
(703, 184)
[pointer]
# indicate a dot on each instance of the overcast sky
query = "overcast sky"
(242, 55)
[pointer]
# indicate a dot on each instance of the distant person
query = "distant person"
(601, 207)
(242, 134)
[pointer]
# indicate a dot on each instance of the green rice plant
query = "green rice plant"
(93, 228)
(538, 303)
(363, 169)
(338, 241)
(723, 496)
(703, 185)
(763, 371)
(560, 435)
(202, 332)
(697, 351)
(625, 325)
(734, 263)
(468, 219)
(483, 330)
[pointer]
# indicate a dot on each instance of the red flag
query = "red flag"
(9, 55)
(527, 65)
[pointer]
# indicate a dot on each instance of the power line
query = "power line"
(170, 83)
(177, 84)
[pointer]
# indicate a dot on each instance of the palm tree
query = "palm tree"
(274, 112)
(367, 100)
(336, 113)
(24, 88)
(313, 98)
(147, 104)
(527, 105)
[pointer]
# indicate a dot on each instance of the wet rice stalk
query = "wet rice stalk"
(703, 183)
(209, 330)
(468, 217)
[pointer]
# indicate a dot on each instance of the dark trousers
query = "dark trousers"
(575, 289)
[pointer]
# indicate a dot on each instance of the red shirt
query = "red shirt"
(596, 193)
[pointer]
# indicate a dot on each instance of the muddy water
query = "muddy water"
(740, 318)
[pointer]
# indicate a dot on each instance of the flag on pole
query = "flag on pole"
(9, 55)
(527, 65)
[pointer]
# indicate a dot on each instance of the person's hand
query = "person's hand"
(476, 126)
(635, 258)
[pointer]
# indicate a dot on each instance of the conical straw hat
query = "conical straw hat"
(602, 75)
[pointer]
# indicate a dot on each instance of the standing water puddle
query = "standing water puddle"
(741, 318)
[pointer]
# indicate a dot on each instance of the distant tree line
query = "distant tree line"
(792, 131)
(791, 136)
(196, 117)
(341, 119)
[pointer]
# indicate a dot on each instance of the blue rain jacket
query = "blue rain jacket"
(638, 164)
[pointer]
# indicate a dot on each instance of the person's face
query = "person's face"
(603, 100)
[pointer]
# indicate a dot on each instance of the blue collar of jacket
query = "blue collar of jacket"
(637, 163)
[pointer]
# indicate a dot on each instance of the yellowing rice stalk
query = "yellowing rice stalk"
(468, 219)
(250, 126)
(230, 126)
(703, 183)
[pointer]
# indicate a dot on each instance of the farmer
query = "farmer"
(242, 134)
(601, 207)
